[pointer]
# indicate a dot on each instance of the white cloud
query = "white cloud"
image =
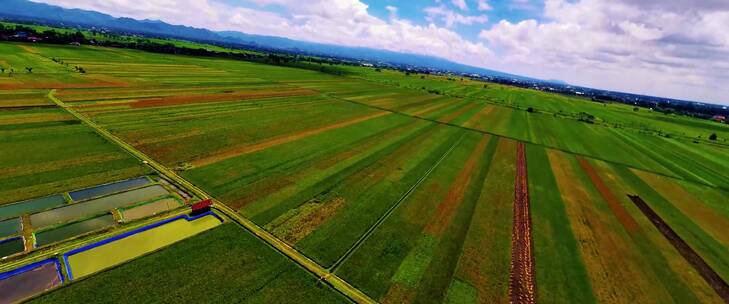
(483, 5)
(343, 22)
(630, 45)
(460, 4)
(673, 48)
(392, 10)
(451, 18)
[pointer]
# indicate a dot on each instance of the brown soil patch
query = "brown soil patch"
(33, 118)
(204, 98)
(21, 86)
(688, 253)
(271, 184)
(450, 117)
(706, 217)
(623, 216)
(250, 148)
(485, 112)
(612, 272)
(436, 107)
(305, 220)
(398, 293)
(522, 285)
(446, 210)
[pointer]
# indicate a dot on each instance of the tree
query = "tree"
(586, 117)
(530, 110)
(712, 136)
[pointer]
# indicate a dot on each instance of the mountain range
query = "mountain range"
(24, 10)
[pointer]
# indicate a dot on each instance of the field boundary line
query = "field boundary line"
(524, 140)
(389, 211)
(709, 275)
(337, 283)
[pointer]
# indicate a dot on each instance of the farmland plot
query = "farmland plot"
(677, 277)
(414, 254)
(47, 151)
(176, 273)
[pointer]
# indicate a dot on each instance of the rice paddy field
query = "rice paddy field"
(174, 275)
(402, 185)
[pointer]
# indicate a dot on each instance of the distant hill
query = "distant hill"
(24, 10)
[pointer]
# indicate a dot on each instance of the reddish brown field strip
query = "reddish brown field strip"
(522, 287)
(433, 108)
(481, 115)
(255, 147)
(188, 99)
(625, 219)
(91, 85)
(205, 98)
(454, 115)
(688, 253)
(446, 210)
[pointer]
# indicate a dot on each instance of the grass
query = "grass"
(204, 268)
(412, 256)
(560, 269)
(318, 159)
(47, 151)
(677, 278)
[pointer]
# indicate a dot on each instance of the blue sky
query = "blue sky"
(501, 10)
(670, 48)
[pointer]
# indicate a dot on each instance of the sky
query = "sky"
(668, 48)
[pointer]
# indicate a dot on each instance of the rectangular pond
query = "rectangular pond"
(29, 280)
(61, 233)
(11, 246)
(105, 189)
(149, 209)
(10, 227)
(95, 206)
(31, 206)
(116, 250)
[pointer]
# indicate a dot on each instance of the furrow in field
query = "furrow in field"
(246, 149)
(522, 286)
(693, 258)
(613, 262)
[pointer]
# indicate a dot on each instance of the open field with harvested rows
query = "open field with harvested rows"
(404, 186)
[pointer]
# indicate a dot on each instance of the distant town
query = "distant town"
(718, 113)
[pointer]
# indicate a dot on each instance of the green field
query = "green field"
(223, 265)
(402, 185)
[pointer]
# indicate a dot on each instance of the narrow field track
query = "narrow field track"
(522, 285)
(688, 253)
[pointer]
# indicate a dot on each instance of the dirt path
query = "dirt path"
(522, 285)
(255, 147)
(688, 253)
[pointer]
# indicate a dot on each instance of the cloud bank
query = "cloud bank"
(672, 48)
